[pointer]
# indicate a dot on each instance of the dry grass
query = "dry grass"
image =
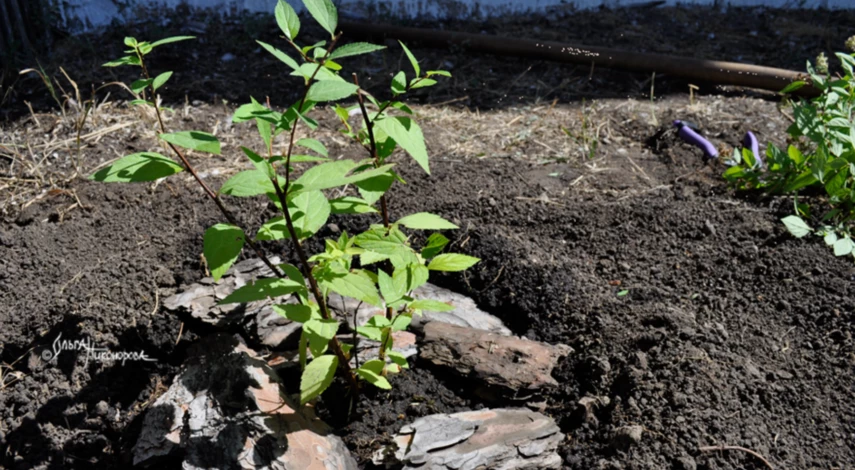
(46, 151)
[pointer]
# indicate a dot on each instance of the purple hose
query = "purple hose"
(691, 137)
(751, 143)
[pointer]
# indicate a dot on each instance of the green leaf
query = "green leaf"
(128, 60)
(425, 221)
(317, 377)
(280, 55)
(305, 158)
(378, 321)
(324, 12)
(222, 245)
(409, 136)
(398, 358)
(390, 290)
(452, 262)
(422, 83)
(334, 174)
(435, 244)
(274, 229)
(402, 107)
(623, 293)
(145, 47)
(793, 87)
(796, 226)
(431, 305)
(844, 246)
(309, 212)
(319, 333)
(372, 372)
(195, 140)
(130, 42)
(401, 322)
(262, 289)
(803, 180)
(392, 244)
(287, 19)
(795, 155)
(355, 48)
(145, 166)
(294, 312)
(372, 189)
(441, 73)
(369, 257)
(370, 332)
(331, 90)
(171, 40)
(252, 110)
(412, 58)
(352, 285)
(314, 145)
(161, 79)
(260, 163)
(248, 183)
(351, 205)
(317, 72)
(399, 83)
(830, 238)
(417, 275)
(140, 85)
(293, 273)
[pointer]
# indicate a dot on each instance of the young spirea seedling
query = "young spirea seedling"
(305, 207)
(820, 160)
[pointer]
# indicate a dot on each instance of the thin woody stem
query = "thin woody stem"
(189, 167)
(369, 126)
(282, 195)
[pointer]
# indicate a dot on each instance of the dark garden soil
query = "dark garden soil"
(689, 307)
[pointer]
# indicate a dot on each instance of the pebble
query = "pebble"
(102, 408)
(627, 436)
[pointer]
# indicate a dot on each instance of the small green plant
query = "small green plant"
(342, 267)
(819, 162)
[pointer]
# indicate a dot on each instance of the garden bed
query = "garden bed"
(687, 306)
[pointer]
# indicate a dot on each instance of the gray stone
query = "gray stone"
(102, 408)
(500, 367)
(227, 409)
(500, 439)
(200, 302)
(465, 312)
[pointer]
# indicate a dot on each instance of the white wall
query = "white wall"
(101, 12)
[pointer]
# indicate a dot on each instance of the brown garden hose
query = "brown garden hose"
(712, 71)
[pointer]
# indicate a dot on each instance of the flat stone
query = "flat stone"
(227, 409)
(465, 312)
(200, 302)
(500, 367)
(500, 439)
